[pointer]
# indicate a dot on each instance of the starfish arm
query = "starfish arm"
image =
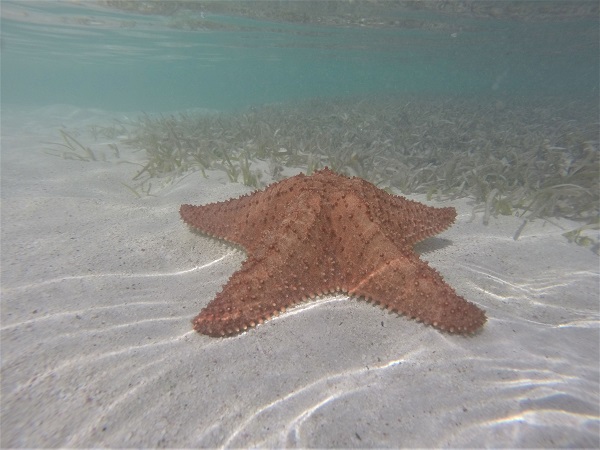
(425, 221)
(248, 299)
(409, 286)
(405, 222)
(248, 219)
(289, 267)
(261, 289)
(222, 220)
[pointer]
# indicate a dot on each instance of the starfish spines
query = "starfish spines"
(310, 236)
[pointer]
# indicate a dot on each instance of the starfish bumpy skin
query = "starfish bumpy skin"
(307, 236)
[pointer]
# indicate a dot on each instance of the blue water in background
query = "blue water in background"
(73, 53)
(97, 346)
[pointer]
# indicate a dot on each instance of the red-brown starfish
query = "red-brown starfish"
(308, 236)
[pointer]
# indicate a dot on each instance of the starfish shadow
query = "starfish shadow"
(431, 245)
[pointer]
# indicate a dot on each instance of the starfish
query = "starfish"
(308, 236)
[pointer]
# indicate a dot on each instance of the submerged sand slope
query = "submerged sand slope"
(99, 287)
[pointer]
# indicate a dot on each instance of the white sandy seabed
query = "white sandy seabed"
(99, 287)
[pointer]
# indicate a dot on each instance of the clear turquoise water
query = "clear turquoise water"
(99, 286)
(69, 53)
